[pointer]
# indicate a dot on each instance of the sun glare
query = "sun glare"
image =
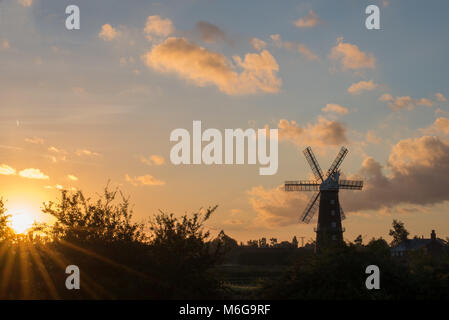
(21, 222)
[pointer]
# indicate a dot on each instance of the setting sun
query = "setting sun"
(21, 222)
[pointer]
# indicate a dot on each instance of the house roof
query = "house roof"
(415, 244)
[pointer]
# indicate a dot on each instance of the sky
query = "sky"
(79, 108)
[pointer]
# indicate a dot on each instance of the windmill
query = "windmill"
(329, 231)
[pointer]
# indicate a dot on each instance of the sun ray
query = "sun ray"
(25, 271)
(44, 273)
(88, 283)
(7, 272)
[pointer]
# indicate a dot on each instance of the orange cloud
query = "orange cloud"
(440, 97)
(7, 170)
(203, 67)
(418, 175)
(323, 133)
(275, 207)
(258, 44)
(72, 177)
(308, 21)
(442, 124)
(146, 180)
(153, 160)
(26, 3)
(404, 102)
(358, 87)
(35, 140)
(108, 32)
(336, 108)
(5, 44)
(85, 152)
(351, 57)
(33, 173)
(299, 47)
(372, 138)
(156, 26)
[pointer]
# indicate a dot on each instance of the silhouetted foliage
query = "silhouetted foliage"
(173, 257)
(340, 274)
(106, 220)
(5, 230)
(399, 233)
(116, 257)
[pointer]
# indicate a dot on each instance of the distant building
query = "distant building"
(433, 246)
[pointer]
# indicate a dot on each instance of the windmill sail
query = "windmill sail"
(302, 185)
(337, 162)
(311, 208)
(350, 184)
(308, 153)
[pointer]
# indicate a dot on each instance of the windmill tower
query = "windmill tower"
(329, 231)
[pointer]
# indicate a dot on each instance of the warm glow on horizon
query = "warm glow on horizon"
(23, 215)
(21, 222)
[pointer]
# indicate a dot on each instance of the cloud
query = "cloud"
(441, 125)
(358, 87)
(258, 44)
(203, 67)
(424, 102)
(108, 32)
(157, 26)
(59, 187)
(439, 96)
(308, 21)
(351, 57)
(72, 177)
(146, 180)
(79, 91)
(209, 32)
(5, 44)
(56, 150)
(322, 133)
(153, 160)
(275, 207)
(298, 47)
(33, 173)
(26, 3)
(372, 138)
(404, 102)
(418, 175)
(35, 140)
(336, 108)
(85, 152)
(7, 170)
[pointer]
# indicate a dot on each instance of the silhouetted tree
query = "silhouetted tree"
(252, 243)
(5, 230)
(108, 219)
(295, 242)
(359, 240)
(399, 233)
(182, 256)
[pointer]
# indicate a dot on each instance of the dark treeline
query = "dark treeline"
(176, 258)
(167, 258)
